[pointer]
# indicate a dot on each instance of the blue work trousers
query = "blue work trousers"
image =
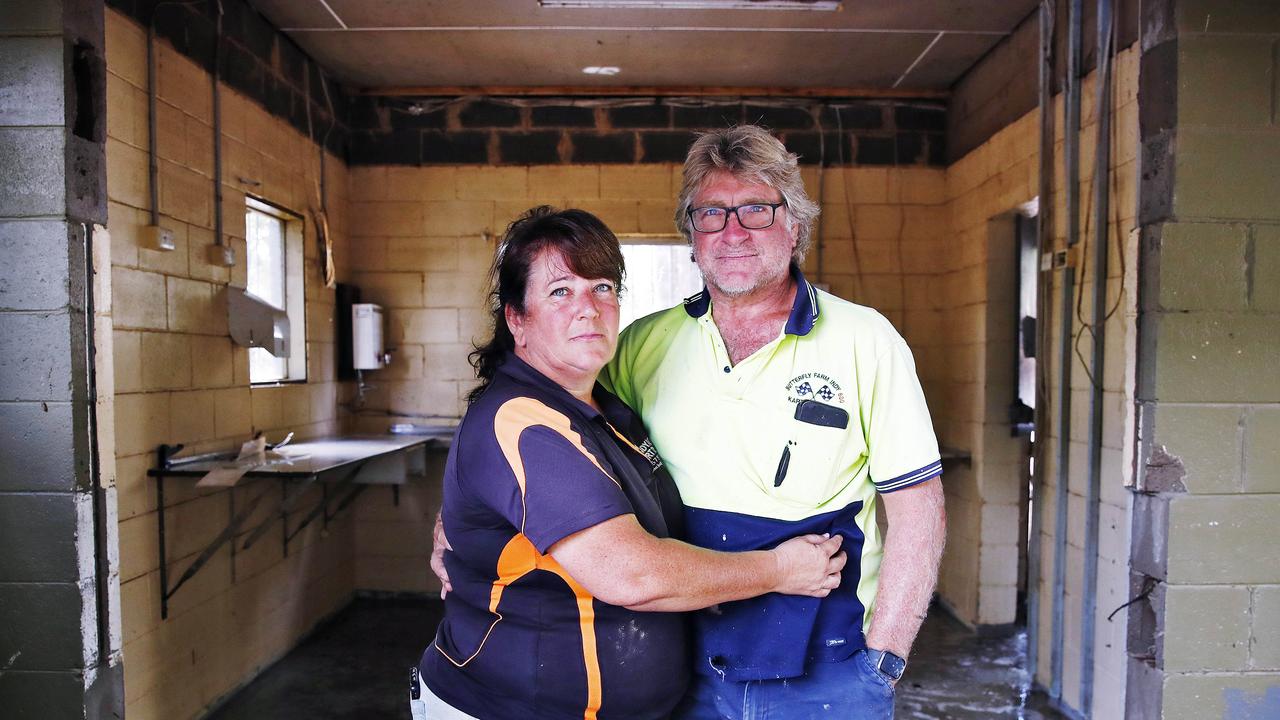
(849, 690)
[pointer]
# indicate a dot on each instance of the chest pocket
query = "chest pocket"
(810, 464)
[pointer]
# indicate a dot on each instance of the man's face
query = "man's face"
(737, 261)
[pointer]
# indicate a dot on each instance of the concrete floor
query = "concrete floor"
(356, 667)
(956, 675)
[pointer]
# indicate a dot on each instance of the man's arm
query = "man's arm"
(909, 572)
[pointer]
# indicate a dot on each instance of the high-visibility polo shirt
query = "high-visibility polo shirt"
(797, 438)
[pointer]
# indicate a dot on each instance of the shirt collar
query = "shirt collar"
(804, 309)
(524, 373)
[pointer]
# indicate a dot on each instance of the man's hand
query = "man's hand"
(440, 543)
(809, 565)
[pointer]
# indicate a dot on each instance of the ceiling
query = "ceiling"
(402, 45)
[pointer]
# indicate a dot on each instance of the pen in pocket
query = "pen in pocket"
(783, 462)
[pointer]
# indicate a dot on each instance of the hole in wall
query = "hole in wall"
(88, 79)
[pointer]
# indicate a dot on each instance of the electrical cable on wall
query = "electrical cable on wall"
(1105, 66)
(822, 173)
(320, 208)
(848, 203)
(161, 239)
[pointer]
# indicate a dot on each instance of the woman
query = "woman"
(566, 583)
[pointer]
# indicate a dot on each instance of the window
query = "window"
(274, 263)
(660, 274)
(1022, 413)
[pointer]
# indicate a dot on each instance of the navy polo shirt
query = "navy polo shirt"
(531, 465)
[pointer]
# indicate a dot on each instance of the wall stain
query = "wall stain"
(1243, 705)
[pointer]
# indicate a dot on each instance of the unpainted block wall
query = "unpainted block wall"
(979, 574)
(423, 239)
(1209, 376)
(180, 379)
(59, 589)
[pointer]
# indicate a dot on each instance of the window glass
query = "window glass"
(659, 276)
(266, 256)
(273, 249)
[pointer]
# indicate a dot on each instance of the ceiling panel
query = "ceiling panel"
(867, 44)
(938, 67)
(296, 13)
(997, 16)
(506, 58)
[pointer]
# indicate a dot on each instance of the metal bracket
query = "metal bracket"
(228, 533)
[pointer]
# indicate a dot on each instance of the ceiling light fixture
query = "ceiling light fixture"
(827, 5)
(601, 70)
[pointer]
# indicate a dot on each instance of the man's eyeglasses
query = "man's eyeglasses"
(755, 216)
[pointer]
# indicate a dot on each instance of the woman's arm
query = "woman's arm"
(620, 563)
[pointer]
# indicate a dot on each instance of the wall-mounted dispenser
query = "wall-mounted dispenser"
(367, 349)
(256, 323)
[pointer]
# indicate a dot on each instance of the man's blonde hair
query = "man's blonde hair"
(750, 154)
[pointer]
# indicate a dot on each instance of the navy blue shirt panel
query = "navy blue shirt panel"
(529, 466)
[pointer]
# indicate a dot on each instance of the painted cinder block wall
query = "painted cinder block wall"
(179, 379)
(1206, 640)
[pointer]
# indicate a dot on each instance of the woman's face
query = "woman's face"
(569, 329)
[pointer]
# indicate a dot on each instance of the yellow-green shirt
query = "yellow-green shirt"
(799, 437)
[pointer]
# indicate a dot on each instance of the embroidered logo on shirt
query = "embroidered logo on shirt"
(651, 454)
(814, 386)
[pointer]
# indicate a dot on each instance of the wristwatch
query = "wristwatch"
(887, 664)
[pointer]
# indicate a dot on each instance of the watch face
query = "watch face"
(892, 665)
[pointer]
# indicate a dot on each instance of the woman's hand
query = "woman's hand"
(809, 565)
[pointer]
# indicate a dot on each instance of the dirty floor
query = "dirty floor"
(356, 668)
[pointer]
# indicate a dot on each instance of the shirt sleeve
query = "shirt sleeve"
(555, 485)
(902, 447)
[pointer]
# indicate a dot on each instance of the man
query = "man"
(782, 410)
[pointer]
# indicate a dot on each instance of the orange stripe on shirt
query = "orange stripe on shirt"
(519, 414)
(587, 625)
(519, 556)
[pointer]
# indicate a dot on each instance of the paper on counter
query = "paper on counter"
(252, 453)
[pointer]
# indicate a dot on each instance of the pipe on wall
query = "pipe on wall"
(153, 164)
(1071, 165)
(217, 131)
(1044, 233)
(1101, 228)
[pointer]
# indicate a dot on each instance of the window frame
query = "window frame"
(295, 289)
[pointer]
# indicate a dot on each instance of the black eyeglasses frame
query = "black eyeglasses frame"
(773, 216)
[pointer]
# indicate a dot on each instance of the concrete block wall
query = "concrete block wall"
(59, 589)
(979, 573)
(586, 131)
(1209, 370)
(422, 240)
(179, 379)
